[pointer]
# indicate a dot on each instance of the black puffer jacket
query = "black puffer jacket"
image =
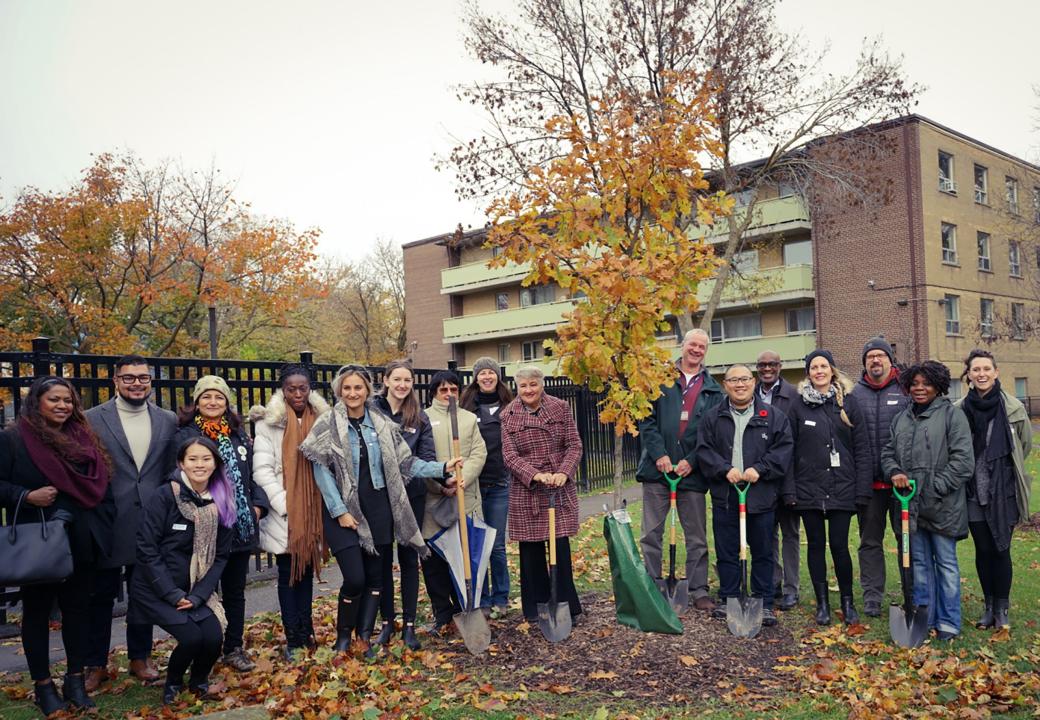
(817, 485)
(879, 408)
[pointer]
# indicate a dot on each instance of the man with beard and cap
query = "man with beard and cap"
(136, 434)
(772, 390)
(881, 398)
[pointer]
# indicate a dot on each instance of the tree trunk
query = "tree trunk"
(619, 468)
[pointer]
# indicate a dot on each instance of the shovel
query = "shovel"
(554, 618)
(471, 623)
(743, 614)
(675, 591)
(907, 624)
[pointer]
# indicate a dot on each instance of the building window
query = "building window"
(953, 314)
(1022, 388)
(502, 301)
(745, 262)
(537, 295)
(986, 317)
(1011, 193)
(671, 332)
(1036, 205)
(736, 327)
(798, 252)
(503, 353)
(801, 321)
(742, 198)
(949, 243)
(786, 188)
(1014, 258)
(1018, 321)
(946, 183)
(956, 390)
(496, 250)
(981, 185)
(533, 350)
(985, 263)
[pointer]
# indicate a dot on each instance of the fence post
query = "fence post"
(582, 410)
(41, 349)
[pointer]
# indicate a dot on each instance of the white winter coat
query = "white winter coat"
(267, 467)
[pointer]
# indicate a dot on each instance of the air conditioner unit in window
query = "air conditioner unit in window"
(947, 185)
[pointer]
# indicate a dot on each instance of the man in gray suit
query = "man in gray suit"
(137, 436)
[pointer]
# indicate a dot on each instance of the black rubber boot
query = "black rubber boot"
(848, 609)
(170, 693)
(409, 638)
(823, 604)
(293, 640)
(367, 610)
(1000, 614)
(385, 633)
(75, 692)
(346, 619)
(46, 697)
(987, 619)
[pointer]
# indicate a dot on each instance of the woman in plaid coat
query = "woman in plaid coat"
(541, 449)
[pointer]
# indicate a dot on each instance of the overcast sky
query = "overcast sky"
(329, 113)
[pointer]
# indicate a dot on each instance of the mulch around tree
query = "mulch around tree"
(603, 656)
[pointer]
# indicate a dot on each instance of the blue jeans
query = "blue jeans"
(937, 579)
(495, 505)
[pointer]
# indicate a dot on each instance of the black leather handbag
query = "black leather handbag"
(34, 553)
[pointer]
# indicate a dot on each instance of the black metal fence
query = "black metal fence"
(253, 383)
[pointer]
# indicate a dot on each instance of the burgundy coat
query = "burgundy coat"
(532, 444)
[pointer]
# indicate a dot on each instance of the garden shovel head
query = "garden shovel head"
(554, 618)
(743, 614)
(675, 590)
(907, 623)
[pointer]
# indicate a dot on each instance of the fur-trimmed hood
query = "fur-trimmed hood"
(274, 412)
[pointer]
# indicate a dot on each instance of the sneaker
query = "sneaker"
(768, 617)
(719, 613)
(498, 612)
(238, 659)
(945, 636)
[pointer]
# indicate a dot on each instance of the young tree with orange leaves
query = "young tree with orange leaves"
(607, 220)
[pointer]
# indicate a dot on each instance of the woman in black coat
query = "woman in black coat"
(830, 475)
(211, 415)
(399, 402)
(183, 545)
(53, 459)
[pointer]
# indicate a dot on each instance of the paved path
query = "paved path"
(261, 595)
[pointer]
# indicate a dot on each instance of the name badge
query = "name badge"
(684, 416)
(810, 423)
(409, 430)
(835, 459)
(892, 402)
(434, 423)
(179, 526)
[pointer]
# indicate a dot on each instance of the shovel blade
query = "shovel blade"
(473, 627)
(744, 616)
(911, 630)
(678, 594)
(554, 620)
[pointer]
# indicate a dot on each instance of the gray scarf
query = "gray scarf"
(328, 443)
(812, 396)
(205, 518)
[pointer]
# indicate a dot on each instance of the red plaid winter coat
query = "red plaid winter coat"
(532, 444)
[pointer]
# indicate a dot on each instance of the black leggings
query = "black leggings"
(361, 570)
(73, 598)
(819, 528)
(408, 559)
(992, 565)
(198, 645)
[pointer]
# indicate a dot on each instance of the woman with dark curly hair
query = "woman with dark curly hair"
(931, 444)
(53, 460)
(998, 491)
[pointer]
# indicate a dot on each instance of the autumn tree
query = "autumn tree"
(771, 96)
(607, 221)
(131, 257)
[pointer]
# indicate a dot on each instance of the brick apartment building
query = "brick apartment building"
(952, 262)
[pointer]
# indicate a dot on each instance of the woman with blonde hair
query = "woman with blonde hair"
(830, 476)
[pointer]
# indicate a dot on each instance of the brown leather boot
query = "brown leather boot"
(144, 671)
(93, 677)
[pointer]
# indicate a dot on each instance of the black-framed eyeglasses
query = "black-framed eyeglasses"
(768, 364)
(131, 379)
(742, 380)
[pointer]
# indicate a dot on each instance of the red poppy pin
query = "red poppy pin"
(763, 413)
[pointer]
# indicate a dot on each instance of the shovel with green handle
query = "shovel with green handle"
(676, 591)
(908, 624)
(743, 614)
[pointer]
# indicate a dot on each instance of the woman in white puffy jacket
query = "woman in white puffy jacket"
(292, 530)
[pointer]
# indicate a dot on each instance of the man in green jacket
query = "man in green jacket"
(669, 442)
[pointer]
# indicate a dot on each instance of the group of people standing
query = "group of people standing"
(817, 454)
(179, 503)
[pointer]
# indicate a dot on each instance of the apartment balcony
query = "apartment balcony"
(478, 276)
(531, 320)
(791, 348)
(768, 286)
(773, 216)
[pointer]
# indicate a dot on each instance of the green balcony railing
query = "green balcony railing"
(478, 276)
(772, 214)
(778, 284)
(529, 320)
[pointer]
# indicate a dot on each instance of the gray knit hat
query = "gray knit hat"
(486, 363)
(211, 382)
(879, 343)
